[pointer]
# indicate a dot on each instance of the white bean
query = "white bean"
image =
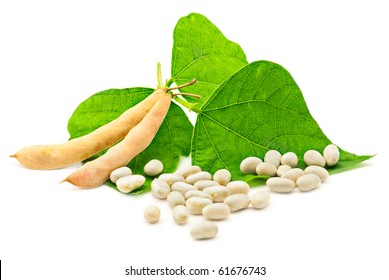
(290, 159)
(238, 187)
(195, 205)
(317, 170)
(202, 184)
(204, 230)
(280, 185)
(180, 214)
(129, 183)
(216, 211)
(266, 169)
(119, 173)
(218, 193)
(222, 176)
(308, 182)
(293, 174)
(187, 171)
(260, 199)
(203, 175)
(273, 157)
(153, 167)
(331, 154)
(237, 201)
(197, 193)
(175, 198)
(282, 169)
(312, 157)
(171, 178)
(152, 214)
(160, 189)
(248, 165)
(183, 187)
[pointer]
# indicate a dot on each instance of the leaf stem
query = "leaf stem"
(187, 94)
(188, 105)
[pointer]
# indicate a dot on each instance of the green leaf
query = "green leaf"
(257, 109)
(201, 51)
(172, 140)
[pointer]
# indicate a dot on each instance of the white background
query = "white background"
(55, 54)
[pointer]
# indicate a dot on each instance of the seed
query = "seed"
(290, 159)
(282, 169)
(280, 185)
(196, 204)
(249, 164)
(312, 157)
(197, 193)
(331, 154)
(204, 230)
(160, 189)
(187, 171)
(152, 214)
(171, 178)
(183, 187)
(153, 167)
(202, 184)
(237, 201)
(238, 187)
(317, 170)
(119, 173)
(273, 157)
(129, 183)
(203, 175)
(222, 176)
(308, 182)
(260, 199)
(175, 198)
(216, 211)
(293, 174)
(180, 214)
(266, 169)
(218, 193)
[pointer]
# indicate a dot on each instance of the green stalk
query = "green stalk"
(188, 105)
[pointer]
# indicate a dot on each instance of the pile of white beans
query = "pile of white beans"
(192, 191)
(284, 173)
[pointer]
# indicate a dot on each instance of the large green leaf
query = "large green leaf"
(172, 140)
(201, 51)
(258, 108)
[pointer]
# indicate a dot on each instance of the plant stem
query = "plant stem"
(187, 94)
(188, 105)
(183, 85)
(159, 75)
